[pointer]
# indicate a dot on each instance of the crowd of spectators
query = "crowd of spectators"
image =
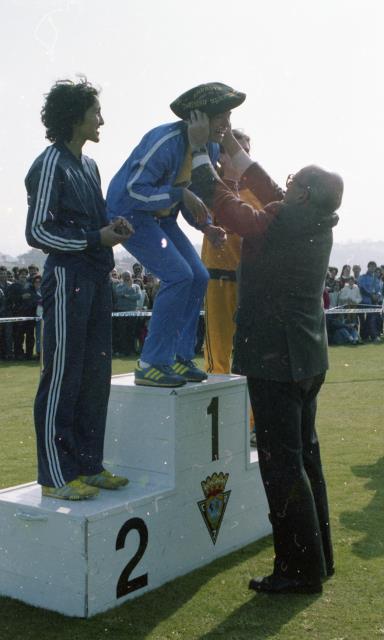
(20, 296)
(354, 290)
(134, 291)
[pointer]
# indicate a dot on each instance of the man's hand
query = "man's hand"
(230, 144)
(195, 206)
(228, 171)
(215, 235)
(198, 129)
(115, 233)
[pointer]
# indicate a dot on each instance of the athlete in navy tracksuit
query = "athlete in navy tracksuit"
(67, 220)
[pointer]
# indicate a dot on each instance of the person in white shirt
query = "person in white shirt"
(350, 294)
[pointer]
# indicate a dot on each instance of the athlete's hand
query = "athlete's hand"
(110, 236)
(122, 226)
(198, 129)
(215, 235)
(195, 206)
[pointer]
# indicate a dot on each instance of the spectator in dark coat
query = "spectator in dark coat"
(371, 289)
(127, 297)
(6, 329)
(22, 303)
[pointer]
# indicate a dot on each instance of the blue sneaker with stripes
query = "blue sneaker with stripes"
(157, 375)
(189, 370)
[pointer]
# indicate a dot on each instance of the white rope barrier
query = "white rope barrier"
(146, 314)
(131, 314)
(115, 314)
(354, 310)
(3, 320)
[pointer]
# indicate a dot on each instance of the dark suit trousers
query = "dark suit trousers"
(290, 465)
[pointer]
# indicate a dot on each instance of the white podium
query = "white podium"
(194, 495)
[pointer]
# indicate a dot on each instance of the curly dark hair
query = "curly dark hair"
(65, 105)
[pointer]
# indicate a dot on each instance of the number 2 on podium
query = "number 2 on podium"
(126, 585)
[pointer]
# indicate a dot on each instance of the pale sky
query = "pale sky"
(312, 72)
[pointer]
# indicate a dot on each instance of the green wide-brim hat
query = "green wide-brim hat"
(211, 98)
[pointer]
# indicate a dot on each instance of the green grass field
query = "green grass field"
(214, 602)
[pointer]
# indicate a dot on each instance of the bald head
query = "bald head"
(243, 139)
(325, 189)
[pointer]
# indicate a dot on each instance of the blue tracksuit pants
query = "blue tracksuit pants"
(72, 398)
(165, 251)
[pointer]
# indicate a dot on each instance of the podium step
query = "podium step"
(194, 495)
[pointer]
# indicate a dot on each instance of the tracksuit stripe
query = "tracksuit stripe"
(56, 380)
(43, 209)
(40, 213)
(53, 395)
(143, 162)
(48, 170)
(61, 341)
(49, 446)
(44, 202)
(46, 179)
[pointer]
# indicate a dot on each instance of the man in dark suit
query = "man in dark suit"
(281, 347)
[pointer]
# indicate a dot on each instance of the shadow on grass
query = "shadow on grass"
(370, 520)
(261, 618)
(136, 619)
(353, 380)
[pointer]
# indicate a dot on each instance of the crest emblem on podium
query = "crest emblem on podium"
(216, 499)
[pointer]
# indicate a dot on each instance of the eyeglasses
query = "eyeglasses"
(292, 178)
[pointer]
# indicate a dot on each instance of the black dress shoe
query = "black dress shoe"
(330, 572)
(277, 584)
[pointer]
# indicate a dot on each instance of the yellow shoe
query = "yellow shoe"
(74, 490)
(104, 480)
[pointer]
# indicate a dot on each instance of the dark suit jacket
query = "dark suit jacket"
(285, 254)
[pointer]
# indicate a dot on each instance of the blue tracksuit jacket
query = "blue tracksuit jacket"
(144, 191)
(145, 182)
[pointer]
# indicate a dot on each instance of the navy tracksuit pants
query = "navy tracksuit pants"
(72, 398)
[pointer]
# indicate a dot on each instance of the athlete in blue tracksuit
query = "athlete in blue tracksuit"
(143, 191)
(149, 190)
(67, 220)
